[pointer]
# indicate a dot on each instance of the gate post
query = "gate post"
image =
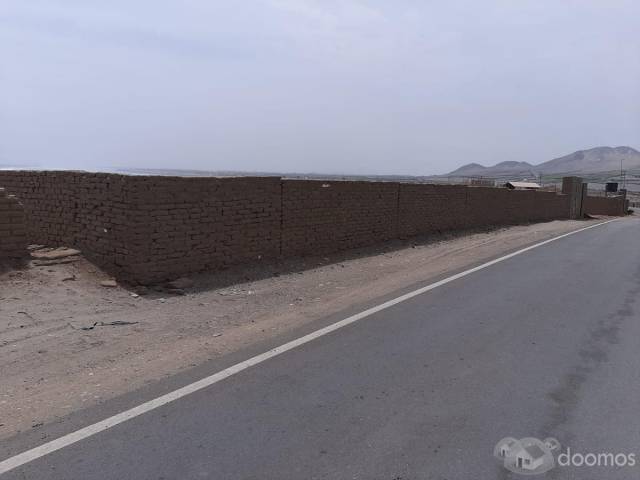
(573, 187)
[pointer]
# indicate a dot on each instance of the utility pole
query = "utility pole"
(623, 175)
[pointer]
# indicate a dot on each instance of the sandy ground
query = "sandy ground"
(51, 366)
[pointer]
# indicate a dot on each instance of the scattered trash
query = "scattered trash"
(26, 314)
(70, 278)
(134, 295)
(216, 335)
(115, 323)
(109, 283)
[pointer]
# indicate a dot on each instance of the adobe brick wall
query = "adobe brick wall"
(147, 228)
(179, 226)
(13, 232)
(321, 217)
(87, 210)
(425, 209)
(613, 206)
(151, 228)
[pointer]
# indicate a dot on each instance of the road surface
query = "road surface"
(543, 344)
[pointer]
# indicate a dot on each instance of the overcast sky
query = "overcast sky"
(366, 87)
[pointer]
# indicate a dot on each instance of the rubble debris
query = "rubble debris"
(47, 263)
(54, 253)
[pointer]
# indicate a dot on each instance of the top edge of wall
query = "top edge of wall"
(202, 178)
(135, 175)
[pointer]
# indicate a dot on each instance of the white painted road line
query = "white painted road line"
(71, 438)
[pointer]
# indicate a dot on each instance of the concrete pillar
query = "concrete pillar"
(625, 202)
(572, 186)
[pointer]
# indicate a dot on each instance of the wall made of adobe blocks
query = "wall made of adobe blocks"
(87, 210)
(147, 229)
(180, 226)
(613, 206)
(425, 209)
(13, 230)
(152, 228)
(322, 217)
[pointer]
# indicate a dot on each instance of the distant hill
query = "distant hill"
(502, 168)
(593, 160)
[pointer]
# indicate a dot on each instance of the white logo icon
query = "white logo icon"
(527, 456)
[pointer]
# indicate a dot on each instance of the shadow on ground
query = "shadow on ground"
(241, 273)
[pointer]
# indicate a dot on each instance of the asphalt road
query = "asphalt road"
(546, 343)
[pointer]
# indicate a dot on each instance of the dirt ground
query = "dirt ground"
(56, 356)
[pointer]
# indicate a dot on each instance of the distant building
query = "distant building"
(522, 186)
(482, 182)
(611, 187)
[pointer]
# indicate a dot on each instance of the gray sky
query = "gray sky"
(408, 87)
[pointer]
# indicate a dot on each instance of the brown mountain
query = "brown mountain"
(593, 160)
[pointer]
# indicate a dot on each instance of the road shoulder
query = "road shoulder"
(56, 368)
